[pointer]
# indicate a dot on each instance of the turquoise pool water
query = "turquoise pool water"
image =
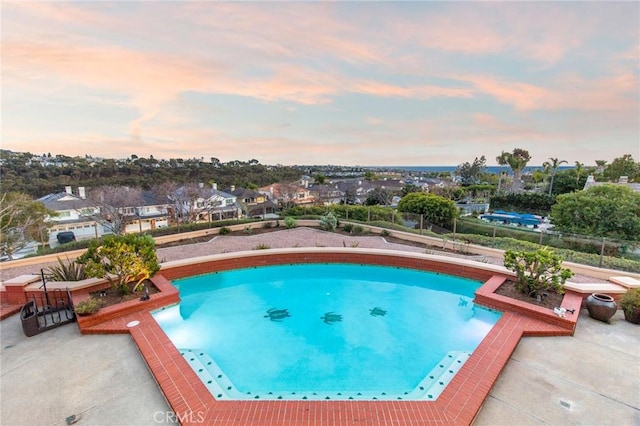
(326, 331)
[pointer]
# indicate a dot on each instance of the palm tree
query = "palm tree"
(552, 167)
(600, 165)
(502, 161)
(579, 170)
(517, 160)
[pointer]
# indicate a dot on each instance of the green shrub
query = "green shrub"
(88, 307)
(537, 271)
(630, 300)
(224, 230)
(261, 247)
(385, 233)
(347, 227)
(248, 230)
(69, 271)
(290, 222)
(122, 259)
(328, 222)
(357, 229)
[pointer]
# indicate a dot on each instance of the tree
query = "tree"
(537, 271)
(379, 196)
(329, 222)
(552, 168)
(537, 177)
(115, 203)
(435, 209)
(122, 259)
(579, 168)
(517, 160)
(408, 189)
(502, 160)
(622, 166)
(602, 211)
(185, 200)
(22, 220)
(470, 173)
(320, 179)
(565, 182)
(600, 165)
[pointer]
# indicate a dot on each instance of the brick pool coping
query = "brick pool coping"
(457, 405)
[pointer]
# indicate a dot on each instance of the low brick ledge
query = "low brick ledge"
(486, 296)
(7, 310)
(167, 294)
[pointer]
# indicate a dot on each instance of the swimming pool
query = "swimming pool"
(326, 331)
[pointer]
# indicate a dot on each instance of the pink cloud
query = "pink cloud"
(375, 88)
(614, 93)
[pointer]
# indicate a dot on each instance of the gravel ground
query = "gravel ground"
(296, 237)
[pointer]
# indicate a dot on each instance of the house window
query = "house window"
(64, 214)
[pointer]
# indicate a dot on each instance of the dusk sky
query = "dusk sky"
(350, 83)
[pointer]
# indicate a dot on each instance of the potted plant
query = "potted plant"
(630, 305)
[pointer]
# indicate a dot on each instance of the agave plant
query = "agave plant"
(69, 271)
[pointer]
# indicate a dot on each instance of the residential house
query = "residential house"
(73, 213)
(286, 195)
(200, 203)
(326, 194)
(153, 213)
(253, 203)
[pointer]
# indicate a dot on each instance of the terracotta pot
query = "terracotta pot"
(633, 315)
(601, 307)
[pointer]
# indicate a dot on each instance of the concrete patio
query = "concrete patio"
(592, 378)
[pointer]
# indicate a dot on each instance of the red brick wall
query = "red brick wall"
(297, 258)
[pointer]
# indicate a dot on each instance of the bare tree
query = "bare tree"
(288, 195)
(379, 196)
(117, 206)
(189, 200)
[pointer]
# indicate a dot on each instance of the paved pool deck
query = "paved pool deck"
(592, 378)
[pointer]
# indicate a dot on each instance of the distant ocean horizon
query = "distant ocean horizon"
(449, 169)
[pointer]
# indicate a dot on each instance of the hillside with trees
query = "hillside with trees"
(38, 175)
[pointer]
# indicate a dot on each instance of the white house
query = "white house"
(73, 214)
(153, 213)
(204, 204)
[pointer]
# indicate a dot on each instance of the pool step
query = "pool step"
(434, 383)
(205, 367)
(223, 389)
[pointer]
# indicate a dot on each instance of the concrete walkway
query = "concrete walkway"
(592, 378)
(102, 379)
